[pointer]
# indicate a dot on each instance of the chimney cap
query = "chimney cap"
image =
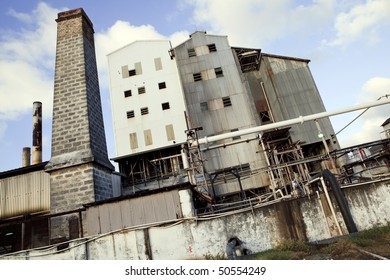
(79, 12)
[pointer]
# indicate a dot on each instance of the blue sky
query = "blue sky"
(347, 42)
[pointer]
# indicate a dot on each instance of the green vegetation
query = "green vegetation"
(366, 245)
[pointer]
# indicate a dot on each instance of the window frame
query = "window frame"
(127, 93)
(144, 111)
(212, 47)
(165, 106)
(162, 85)
(142, 90)
(130, 114)
(227, 102)
(197, 77)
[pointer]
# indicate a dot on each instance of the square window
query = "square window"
(141, 90)
(226, 102)
(132, 72)
(218, 72)
(264, 117)
(127, 93)
(191, 52)
(165, 106)
(197, 77)
(204, 106)
(144, 111)
(162, 85)
(235, 137)
(130, 114)
(212, 48)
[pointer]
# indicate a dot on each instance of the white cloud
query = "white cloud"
(369, 124)
(21, 84)
(260, 22)
(27, 57)
(361, 22)
(27, 63)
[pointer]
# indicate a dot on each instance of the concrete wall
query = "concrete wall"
(260, 228)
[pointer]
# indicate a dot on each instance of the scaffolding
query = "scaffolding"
(287, 169)
(197, 173)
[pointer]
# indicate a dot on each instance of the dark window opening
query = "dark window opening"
(264, 117)
(130, 114)
(162, 85)
(197, 77)
(204, 106)
(191, 52)
(218, 72)
(127, 93)
(132, 72)
(226, 102)
(144, 111)
(212, 48)
(235, 137)
(165, 106)
(141, 90)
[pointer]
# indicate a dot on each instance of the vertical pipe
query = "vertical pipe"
(330, 205)
(321, 135)
(26, 156)
(268, 105)
(270, 171)
(37, 133)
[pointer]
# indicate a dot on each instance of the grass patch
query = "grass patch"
(375, 241)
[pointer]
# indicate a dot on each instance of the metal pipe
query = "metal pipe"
(321, 135)
(229, 144)
(341, 200)
(266, 99)
(37, 133)
(330, 205)
(298, 120)
(26, 156)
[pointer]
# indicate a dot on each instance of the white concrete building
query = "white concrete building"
(146, 98)
(148, 110)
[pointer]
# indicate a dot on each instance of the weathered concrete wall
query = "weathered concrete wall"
(262, 228)
(370, 204)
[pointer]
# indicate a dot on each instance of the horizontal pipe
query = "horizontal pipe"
(298, 120)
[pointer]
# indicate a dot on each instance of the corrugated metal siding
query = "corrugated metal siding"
(132, 212)
(292, 92)
(24, 194)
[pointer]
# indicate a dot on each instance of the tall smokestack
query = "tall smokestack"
(26, 156)
(37, 133)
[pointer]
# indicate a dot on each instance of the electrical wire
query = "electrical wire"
(386, 95)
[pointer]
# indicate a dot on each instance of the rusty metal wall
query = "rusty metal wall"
(133, 211)
(292, 92)
(24, 194)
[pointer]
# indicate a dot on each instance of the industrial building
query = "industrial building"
(202, 153)
(218, 89)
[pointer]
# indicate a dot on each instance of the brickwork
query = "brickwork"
(80, 171)
(71, 187)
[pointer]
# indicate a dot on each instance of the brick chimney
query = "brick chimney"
(80, 171)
